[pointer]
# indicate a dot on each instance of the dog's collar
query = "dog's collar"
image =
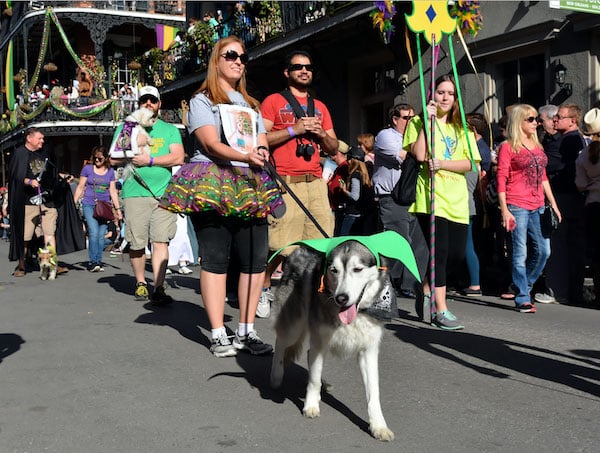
(388, 243)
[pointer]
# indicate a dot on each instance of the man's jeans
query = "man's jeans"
(526, 270)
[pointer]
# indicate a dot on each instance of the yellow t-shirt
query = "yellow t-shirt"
(451, 195)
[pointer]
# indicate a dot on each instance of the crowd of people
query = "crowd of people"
(483, 199)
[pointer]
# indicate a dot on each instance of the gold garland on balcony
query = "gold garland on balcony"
(84, 112)
(51, 16)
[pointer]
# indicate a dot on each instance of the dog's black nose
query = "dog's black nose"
(341, 299)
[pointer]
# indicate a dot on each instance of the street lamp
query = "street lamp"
(560, 74)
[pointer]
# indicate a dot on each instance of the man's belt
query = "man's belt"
(300, 178)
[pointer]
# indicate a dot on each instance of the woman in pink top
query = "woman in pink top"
(522, 185)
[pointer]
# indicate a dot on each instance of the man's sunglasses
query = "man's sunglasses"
(148, 97)
(232, 55)
(298, 67)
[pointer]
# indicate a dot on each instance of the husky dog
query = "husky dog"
(326, 298)
(133, 138)
(48, 262)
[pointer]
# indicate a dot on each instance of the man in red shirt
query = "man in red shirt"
(295, 143)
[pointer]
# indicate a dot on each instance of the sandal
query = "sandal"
(18, 272)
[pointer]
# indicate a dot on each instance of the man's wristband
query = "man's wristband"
(151, 162)
(290, 130)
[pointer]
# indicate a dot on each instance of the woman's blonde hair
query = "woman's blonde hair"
(514, 131)
(367, 140)
(211, 87)
(355, 165)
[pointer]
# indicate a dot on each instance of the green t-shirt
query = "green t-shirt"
(163, 134)
(451, 195)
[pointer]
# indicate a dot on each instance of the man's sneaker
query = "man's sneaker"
(141, 291)
(222, 347)
(160, 298)
(526, 308)
(252, 343)
(185, 270)
(264, 303)
(544, 298)
(446, 320)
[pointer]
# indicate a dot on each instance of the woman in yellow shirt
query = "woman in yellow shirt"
(450, 161)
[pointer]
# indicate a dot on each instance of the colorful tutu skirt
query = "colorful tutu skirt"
(228, 190)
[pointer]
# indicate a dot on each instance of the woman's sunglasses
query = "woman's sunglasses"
(99, 159)
(531, 119)
(232, 55)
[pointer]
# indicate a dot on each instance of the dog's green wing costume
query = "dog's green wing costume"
(389, 244)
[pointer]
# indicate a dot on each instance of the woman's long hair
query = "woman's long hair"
(104, 151)
(211, 87)
(454, 113)
(514, 131)
(355, 165)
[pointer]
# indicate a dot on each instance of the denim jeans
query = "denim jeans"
(527, 269)
(96, 232)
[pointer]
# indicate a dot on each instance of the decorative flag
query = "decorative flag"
(431, 19)
(8, 77)
(165, 36)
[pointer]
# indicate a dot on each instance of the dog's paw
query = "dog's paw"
(382, 433)
(312, 412)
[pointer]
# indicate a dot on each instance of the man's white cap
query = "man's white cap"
(148, 89)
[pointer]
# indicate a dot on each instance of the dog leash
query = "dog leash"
(271, 170)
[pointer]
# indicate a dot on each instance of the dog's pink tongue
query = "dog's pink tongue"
(347, 316)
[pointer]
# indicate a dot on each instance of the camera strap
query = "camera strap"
(297, 108)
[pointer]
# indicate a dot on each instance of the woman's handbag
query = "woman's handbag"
(103, 211)
(405, 191)
(548, 221)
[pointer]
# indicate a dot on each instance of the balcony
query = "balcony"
(259, 25)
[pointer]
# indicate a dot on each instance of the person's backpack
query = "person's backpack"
(405, 191)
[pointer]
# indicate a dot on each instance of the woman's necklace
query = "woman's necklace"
(450, 144)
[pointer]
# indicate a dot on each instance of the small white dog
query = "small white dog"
(48, 262)
(133, 138)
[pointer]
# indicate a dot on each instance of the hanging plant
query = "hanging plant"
(50, 67)
(268, 21)
(202, 37)
(468, 16)
(382, 19)
(134, 65)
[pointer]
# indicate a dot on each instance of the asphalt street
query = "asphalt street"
(85, 368)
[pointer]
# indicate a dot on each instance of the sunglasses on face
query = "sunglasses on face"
(531, 119)
(298, 67)
(232, 55)
(558, 117)
(148, 97)
(99, 159)
(407, 117)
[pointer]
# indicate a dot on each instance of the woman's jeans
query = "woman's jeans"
(526, 270)
(96, 232)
